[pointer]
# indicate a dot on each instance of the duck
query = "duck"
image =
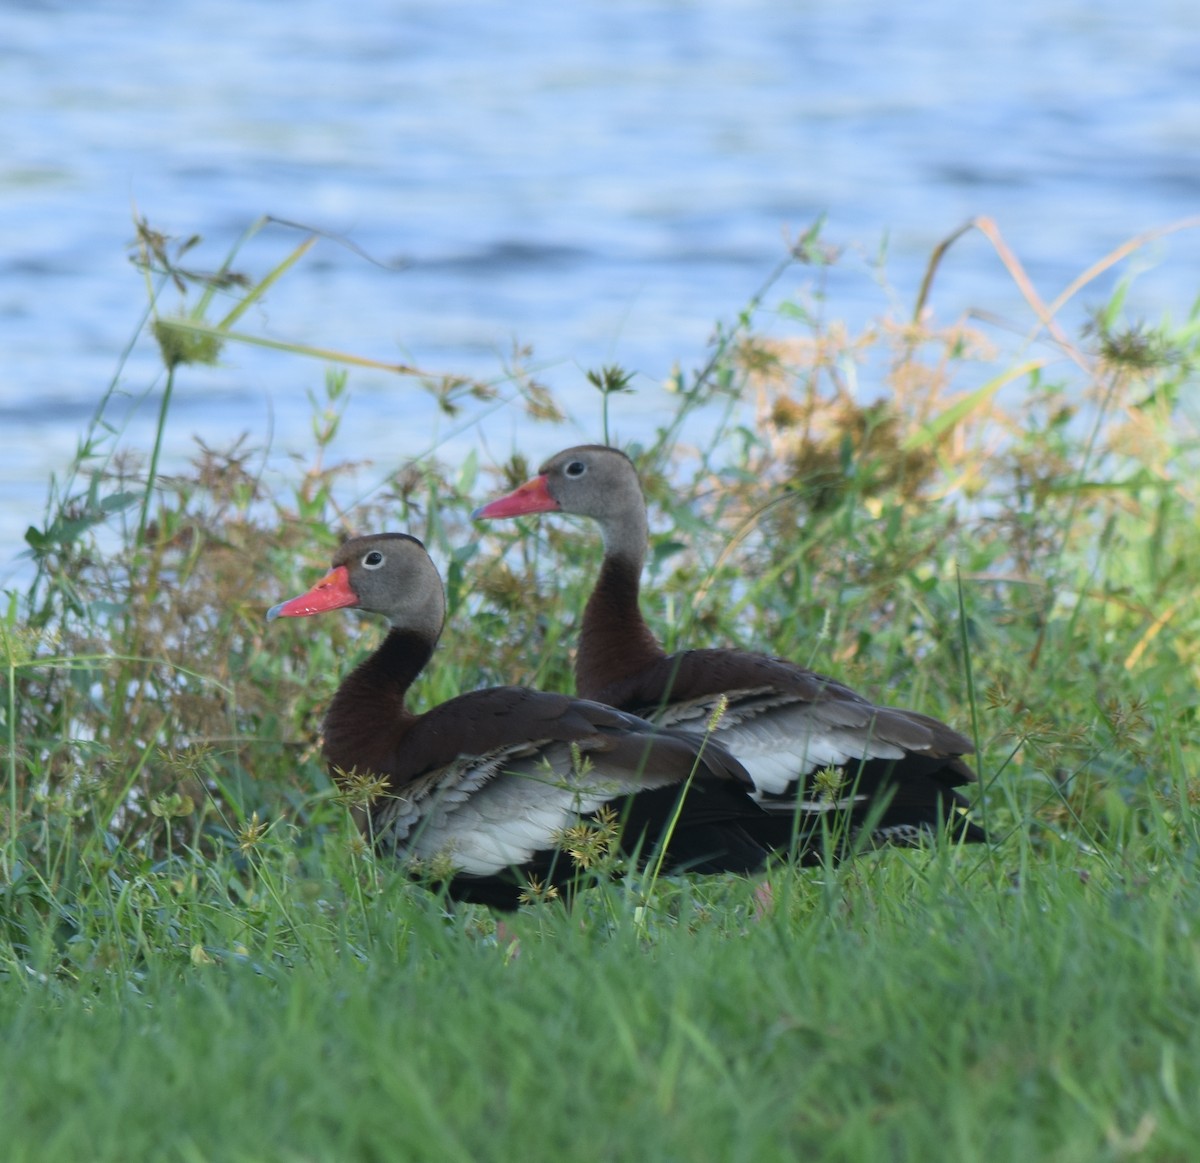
(840, 766)
(488, 794)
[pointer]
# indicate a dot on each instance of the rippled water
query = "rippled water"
(602, 179)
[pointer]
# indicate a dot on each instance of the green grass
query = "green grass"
(200, 961)
(895, 1012)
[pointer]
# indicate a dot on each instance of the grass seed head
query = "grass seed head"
(828, 783)
(718, 713)
(252, 832)
(359, 789)
(536, 892)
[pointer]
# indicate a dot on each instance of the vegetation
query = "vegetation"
(200, 960)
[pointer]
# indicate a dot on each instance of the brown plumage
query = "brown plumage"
(897, 771)
(482, 788)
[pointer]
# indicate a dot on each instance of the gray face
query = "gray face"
(392, 575)
(594, 481)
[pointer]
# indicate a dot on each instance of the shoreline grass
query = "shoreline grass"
(892, 1010)
(200, 960)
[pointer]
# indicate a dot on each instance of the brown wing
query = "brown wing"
(500, 718)
(489, 780)
(897, 770)
(700, 677)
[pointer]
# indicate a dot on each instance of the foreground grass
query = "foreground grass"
(912, 1009)
(199, 960)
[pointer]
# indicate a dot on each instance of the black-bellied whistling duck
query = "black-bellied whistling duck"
(898, 769)
(485, 786)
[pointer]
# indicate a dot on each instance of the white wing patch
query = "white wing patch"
(516, 815)
(487, 813)
(779, 740)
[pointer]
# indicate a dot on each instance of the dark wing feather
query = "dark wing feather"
(483, 722)
(898, 768)
(490, 780)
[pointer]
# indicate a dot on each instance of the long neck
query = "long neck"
(614, 642)
(368, 716)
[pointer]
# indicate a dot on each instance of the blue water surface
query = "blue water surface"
(601, 180)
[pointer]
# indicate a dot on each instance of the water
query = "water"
(602, 179)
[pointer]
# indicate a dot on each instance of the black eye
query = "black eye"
(373, 560)
(575, 469)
